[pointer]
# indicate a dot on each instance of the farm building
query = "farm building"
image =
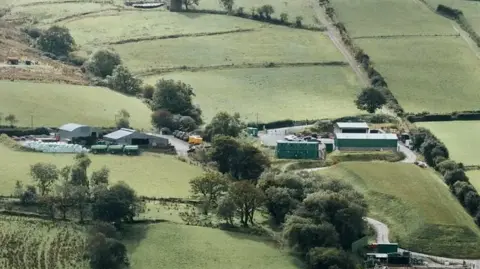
(351, 127)
(126, 136)
(297, 150)
(74, 130)
(359, 142)
(329, 144)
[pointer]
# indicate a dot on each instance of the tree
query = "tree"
(45, 175)
(302, 234)
(188, 3)
(123, 119)
(247, 198)
(81, 199)
(123, 81)
(266, 11)
(472, 201)
(284, 17)
(56, 40)
(100, 176)
(187, 124)
(64, 199)
(65, 172)
(224, 124)
(106, 253)
(298, 21)
(102, 63)
(12, 119)
(224, 148)
(48, 203)
(147, 91)
(18, 191)
(451, 177)
(445, 166)
(370, 99)
(227, 4)
(79, 170)
(226, 209)
(162, 118)
(29, 196)
(419, 136)
(210, 185)
(105, 228)
(175, 97)
(279, 203)
(115, 204)
(322, 258)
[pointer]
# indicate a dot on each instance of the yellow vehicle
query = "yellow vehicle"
(195, 140)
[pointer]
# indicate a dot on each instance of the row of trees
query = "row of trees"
(437, 156)
(69, 189)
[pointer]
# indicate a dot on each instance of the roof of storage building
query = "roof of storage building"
(123, 132)
(366, 136)
(71, 126)
(359, 125)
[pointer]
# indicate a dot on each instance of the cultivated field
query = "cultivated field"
(471, 9)
(435, 74)
(390, 17)
(37, 244)
(417, 206)
(56, 104)
(159, 246)
(274, 93)
(293, 8)
(460, 137)
(150, 174)
(52, 13)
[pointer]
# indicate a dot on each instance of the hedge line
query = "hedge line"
(458, 115)
(376, 79)
(457, 15)
(20, 131)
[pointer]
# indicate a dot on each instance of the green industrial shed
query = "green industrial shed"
(363, 142)
(297, 150)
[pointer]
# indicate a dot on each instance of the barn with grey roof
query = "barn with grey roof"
(125, 136)
(75, 130)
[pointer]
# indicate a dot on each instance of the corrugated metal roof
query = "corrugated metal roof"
(298, 142)
(71, 126)
(361, 125)
(366, 136)
(119, 134)
(326, 140)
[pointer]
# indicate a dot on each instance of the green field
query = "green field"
(36, 244)
(155, 175)
(471, 9)
(423, 73)
(272, 44)
(417, 206)
(53, 105)
(101, 28)
(46, 14)
(390, 17)
(274, 93)
(474, 177)
(159, 246)
(293, 8)
(459, 137)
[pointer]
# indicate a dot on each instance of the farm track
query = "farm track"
(157, 71)
(84, 14)
(151, 38)
(404, 36)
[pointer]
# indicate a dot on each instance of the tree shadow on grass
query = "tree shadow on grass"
(192, 15)
(133, 235)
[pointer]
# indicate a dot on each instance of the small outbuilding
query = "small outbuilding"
(126, 136)
(364, 142)
(351, 127)
(75, 130)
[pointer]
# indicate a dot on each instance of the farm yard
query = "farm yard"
(416, 205)
(55, 104)
(154, 175)
(32, 243)
(279, 93)
(459, 137)
(186, 247)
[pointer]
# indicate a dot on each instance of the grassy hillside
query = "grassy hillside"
(150, 174)
(274, 93)
(459, 137)
(165, 245)
(389, 17)
(57, 104)
(423, 72)
(417, 206)
(36, 244)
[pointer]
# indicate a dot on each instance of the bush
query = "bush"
(33, 32)
(449, 12)
(298, 21)
(123, 81)
(102, 63)
(76, 60)
(147, 91)
(56, 40)
(284, 17)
